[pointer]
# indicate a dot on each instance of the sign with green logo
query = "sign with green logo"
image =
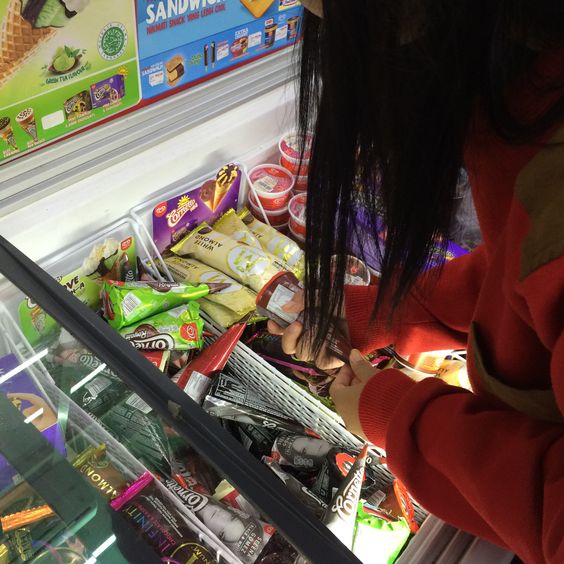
(64, 65)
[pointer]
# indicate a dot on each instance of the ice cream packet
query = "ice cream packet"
(179, 328)
(110, 260)
(377, 540)
(300, 452)
(340, 516)
(227, 494)
(131, 302)
(134, 423)
(224, 409)
(100, 472)
(314, 503)
(242, 533)
(231, 224)
(276, 243)
(238, 299)
(248, 265)
(164, 527)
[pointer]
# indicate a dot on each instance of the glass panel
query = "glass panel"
(91, 433)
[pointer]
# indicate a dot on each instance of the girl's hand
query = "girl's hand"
(347, 389)
(294, 344)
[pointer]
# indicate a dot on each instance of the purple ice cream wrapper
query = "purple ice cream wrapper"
(22, 391)
(107, 91)
(175, 218)
(370, 249)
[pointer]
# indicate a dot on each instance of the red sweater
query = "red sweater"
(490, 462)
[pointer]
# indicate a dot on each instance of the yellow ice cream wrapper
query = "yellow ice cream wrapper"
(237, 299)
(249, 266)
(231, 224)
(276, 243)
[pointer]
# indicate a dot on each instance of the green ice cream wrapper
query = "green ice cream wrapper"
(127, 303)
(133, 422)
(180, 328)
(378, 541)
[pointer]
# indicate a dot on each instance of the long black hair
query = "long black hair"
(389, 88)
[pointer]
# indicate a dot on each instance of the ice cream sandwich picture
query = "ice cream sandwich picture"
(29, 24)
(174, 70)
(257, 7)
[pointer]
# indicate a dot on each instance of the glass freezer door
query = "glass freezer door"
(104, 459)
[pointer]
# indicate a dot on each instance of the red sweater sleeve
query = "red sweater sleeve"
(438, 321)
(471, 460)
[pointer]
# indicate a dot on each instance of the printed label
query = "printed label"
(197, 386)
(138, 403)
(280, 297)
(130, 304)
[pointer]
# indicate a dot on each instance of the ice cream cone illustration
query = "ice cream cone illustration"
(29, 24)
(225, 179)
(7, 133)
(26, 120)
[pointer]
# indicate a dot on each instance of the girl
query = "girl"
(400, 95)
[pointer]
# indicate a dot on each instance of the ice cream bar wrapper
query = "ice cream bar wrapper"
(223, 409)
(255, 533)
(196, 378)
(180, 328)
(138, 428)
(165, 528)
(314, 503)
(111, 259)
(239, 299)
(159, 359)
(276, 243)
(126, 303)
(227, 494)
(174, 218)
(247, 265)
(340, 517)
(100, 472)
(231, 389)
(222, 316)
(231, 224)
(300, 452)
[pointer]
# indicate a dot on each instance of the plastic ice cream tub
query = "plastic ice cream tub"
(277, 218)
(273, 185)
(297, 209)
(290, 156)
(293, 235)
(300, 184)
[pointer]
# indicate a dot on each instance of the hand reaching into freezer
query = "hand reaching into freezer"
(294, 343)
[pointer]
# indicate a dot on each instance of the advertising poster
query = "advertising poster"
(183, 41)
(64, 65)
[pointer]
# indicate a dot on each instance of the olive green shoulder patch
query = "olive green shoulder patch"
(540, 188)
